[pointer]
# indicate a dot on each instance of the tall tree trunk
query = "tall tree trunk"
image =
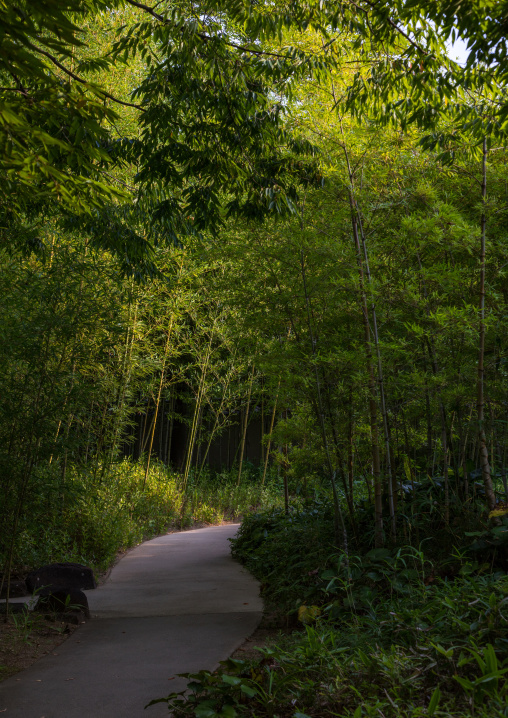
(268, 446)
(171, 422)
(262, 421)
(197, 410)
(244, 433)
(480, 401)
(157, 401)
(148, 428)
(442, 411)
(126, 375)
(339, 525)
(100, 442)
(348, 494)
(428, 414)
(350, 454)
(376, 463)
(380, 377)
(216, 423)
(503, 471)
(285, 475)
(144, 437)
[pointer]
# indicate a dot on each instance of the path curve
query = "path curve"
(176, 604)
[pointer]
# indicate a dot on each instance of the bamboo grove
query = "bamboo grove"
(222, 255)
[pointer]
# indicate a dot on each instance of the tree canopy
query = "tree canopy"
(210, 89)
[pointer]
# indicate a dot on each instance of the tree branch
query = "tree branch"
(206, 37)
(14, 89)
(147, 9)
(203, 36)
(80, 79)
(393, 24)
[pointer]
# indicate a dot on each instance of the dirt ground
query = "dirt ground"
(270, 628)
(25, 639)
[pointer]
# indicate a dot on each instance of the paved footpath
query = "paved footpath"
(176, 604)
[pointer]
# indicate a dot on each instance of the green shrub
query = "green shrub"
(389, 632)
(100, 510)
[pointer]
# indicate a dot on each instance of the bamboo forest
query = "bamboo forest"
(254, 267)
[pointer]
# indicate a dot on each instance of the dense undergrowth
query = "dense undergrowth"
(409, 630)
(95, 514)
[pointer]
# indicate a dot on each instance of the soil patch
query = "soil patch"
(272, 626)
(25, 639)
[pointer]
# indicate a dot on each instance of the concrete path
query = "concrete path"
(176, 604)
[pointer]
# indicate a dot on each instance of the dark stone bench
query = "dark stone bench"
(69, 575)
(17, 589)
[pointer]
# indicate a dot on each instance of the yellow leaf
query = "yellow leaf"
(307, 614)
(498, 512)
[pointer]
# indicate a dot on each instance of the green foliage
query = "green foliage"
(52, 132)
(230, 499)
(394, 637)
(90, 520)
(287, 553)
(490, 544)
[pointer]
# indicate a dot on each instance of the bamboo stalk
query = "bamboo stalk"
(169, 427)
(270, 435)
(197, 410)
(244, 434)
(376, 466)
(262, 421)
(157, 401)
(285, 475)
(442, 411)
(215, 426)
(480, 388)
(339, 525)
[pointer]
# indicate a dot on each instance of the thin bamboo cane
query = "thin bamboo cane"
(157, 401)
(215, 426)
(480, 402)
(270, 435)
(169, 438)
(339, 525)
(197, 409)
(442, 411)
(244, 434)
(376, 464)
(358, 234)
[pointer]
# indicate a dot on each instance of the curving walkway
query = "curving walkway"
(176, 604)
